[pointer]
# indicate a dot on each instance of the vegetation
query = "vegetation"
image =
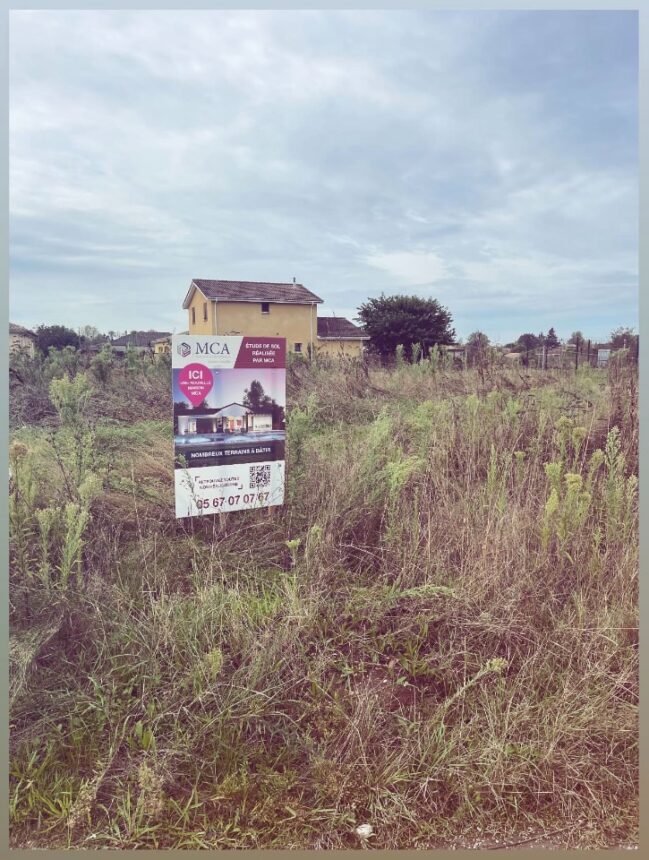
(551, 339)
(255, 398)
(437, 633)
(525, 342)
(56, 336)
(477, 348)
(393, 321)
(623, 338)
(576, 338)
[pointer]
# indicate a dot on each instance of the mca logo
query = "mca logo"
(184, 349)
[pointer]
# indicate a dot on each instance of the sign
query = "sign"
(229, 396)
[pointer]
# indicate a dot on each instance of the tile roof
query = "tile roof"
(254, 291)
(338, 327)
(19, 329)
(139, 338)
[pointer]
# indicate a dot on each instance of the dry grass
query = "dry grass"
(447, 646)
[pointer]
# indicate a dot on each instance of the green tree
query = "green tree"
(255, 397)
(393, 320)
(577, 338)
(623, 337)
(551, 340)
(89, 333)
(477, 347)
(57, 336)
(529, 341)
(102, 364)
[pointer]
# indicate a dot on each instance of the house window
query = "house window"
(193, 316)
(298, 347)
(265, 307)
(205, 310)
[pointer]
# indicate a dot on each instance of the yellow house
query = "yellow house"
(340, 337)
(255, 308)
(162, 345)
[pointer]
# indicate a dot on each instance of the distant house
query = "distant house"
(257, 308)
(140, 341)
(162, 345)
(95, 345)
(339, 336)
(232, 418)
(21, 339)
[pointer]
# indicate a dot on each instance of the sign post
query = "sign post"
(229, 396)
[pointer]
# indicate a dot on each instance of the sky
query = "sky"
(484, 159)
(229, 386)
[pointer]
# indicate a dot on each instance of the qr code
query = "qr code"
(259, 476)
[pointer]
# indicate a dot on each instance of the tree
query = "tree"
(89, 332)
(393, 320)
(477, 345)
(577, 338)
(623, 337)
(528, 341)
(57, 336)
(551, 340)
(255, 397)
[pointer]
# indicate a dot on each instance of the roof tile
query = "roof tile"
(255, 291)
(339, 327)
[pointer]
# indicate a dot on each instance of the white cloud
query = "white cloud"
(410, 267)
(364, 151)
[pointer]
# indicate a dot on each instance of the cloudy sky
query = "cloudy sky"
(488, 160)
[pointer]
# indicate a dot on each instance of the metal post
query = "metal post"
(588, 353)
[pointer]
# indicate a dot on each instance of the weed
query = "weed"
(437, 632)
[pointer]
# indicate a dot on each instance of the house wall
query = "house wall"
(350, 348)
(162, 348)
(297, 323)
(20, 342)
(201, 326)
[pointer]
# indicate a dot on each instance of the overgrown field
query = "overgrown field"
(436, 635)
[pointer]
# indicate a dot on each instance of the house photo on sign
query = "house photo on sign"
(229, 396)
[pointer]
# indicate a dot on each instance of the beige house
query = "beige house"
(254, 308)
(21, 339)
(338, 336)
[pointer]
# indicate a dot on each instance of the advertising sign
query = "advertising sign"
(229, 396)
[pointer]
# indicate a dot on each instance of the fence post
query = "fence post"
(588, 353)
(576, 356)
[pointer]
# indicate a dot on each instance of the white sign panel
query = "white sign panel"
(229, 396)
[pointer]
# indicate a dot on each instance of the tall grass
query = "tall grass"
(437, 633)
